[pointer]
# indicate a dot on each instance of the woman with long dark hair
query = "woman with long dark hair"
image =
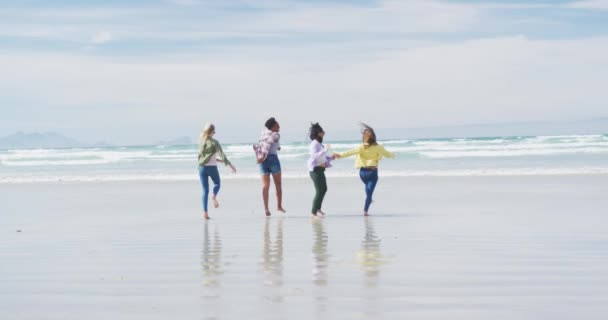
(368, 155)
(317, 163)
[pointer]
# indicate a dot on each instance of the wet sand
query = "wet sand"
(434, 248)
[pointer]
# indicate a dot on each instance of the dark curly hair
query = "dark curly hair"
(315, 129)
(270, 123)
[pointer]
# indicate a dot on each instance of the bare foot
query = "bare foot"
(365, 213)
(321, 212)
(207, 216)
(215, 203)
(281, 209)
(314, 216)
(268, 213)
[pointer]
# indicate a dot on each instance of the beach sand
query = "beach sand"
(433, 248)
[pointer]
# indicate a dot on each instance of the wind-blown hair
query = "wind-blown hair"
(314, 131)
(372, 138)
(207, 130)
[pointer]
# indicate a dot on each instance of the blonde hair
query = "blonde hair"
(207, 131)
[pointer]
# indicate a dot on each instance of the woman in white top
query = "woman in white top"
(317, 163)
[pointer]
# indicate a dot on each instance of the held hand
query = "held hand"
(335, 156)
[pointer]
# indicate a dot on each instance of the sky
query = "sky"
(133, 71)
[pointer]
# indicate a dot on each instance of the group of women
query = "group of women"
(368, 155)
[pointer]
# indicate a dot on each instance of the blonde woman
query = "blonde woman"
(368, 155)
(209, 155)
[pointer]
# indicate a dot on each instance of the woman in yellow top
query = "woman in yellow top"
(368, 156)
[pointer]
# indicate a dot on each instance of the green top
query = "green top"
(208, 148)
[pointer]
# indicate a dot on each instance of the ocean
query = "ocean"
(489, 156)
(485, 228)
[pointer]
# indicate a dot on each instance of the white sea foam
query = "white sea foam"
(437, 152)
(512, 153)
(497, 172)
(391, 142)
(519, 148)
(53, 163)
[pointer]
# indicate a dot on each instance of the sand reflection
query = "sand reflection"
(211, 258)
(272, 255)
(319, 253)
(369, 256)
(272, 259)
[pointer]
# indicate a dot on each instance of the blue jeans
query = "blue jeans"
(270, 165)
(370, 179)
(206, 172)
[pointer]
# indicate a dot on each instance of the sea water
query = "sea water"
(490, 156)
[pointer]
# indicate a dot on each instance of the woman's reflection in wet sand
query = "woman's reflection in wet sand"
(211, 260)
(319, 253)
(370, 260)
(320, 262)
(369, 256)
(272, 261)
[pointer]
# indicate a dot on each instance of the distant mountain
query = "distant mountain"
(101, 144)
(22, 140)
(181, 141)
(53, 140)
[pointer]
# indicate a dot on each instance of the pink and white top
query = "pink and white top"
(268, 144)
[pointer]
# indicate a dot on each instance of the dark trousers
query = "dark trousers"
(318, 179)
(370, 179)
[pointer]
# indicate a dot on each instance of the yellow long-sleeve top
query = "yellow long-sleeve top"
(367, 156)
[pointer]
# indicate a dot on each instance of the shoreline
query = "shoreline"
(598, 172)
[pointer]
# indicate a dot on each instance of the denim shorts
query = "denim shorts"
(270, 165)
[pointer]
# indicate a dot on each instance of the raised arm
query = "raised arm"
(349, 153)
(386, 153)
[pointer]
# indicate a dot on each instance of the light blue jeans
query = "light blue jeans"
(206, 172)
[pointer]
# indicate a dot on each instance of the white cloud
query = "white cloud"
(101, 37)
(223, 20)
(395, 81)
(270, 19)
(185, 2)
(35, 31)
(414, 16)
(493, 80)
(589, 4)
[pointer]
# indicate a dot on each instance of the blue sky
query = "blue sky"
(141, 71)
